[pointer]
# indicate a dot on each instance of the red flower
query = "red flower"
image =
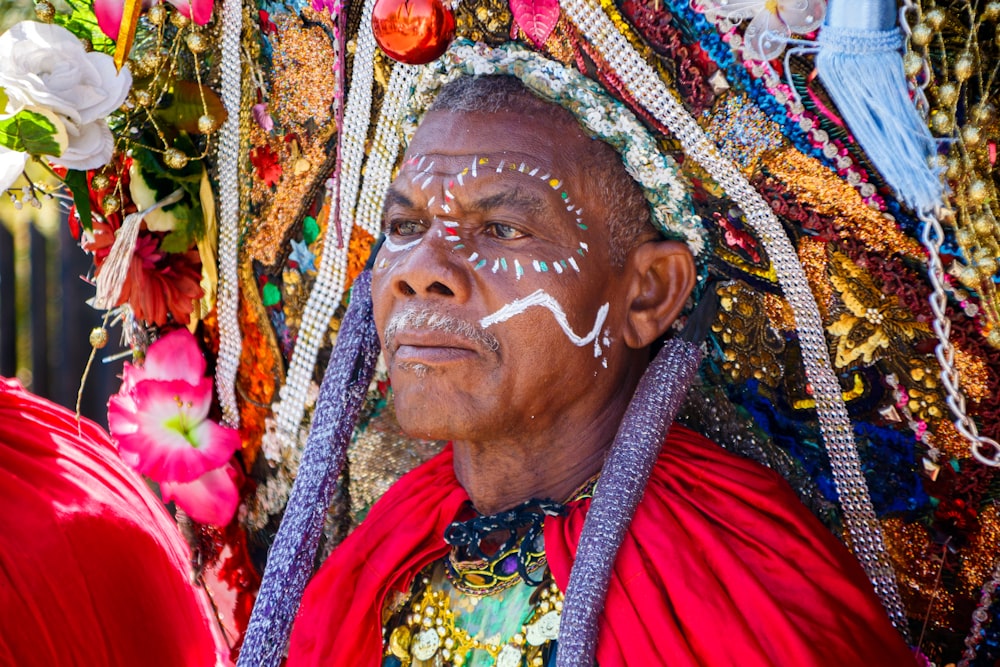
(266, 24)
(161, 285)
(117, 174)
(265, 163)
(956, 514)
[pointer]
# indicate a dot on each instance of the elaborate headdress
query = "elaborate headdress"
(855, 346)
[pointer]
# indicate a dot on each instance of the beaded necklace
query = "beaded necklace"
(429, 633)
(473, 572)
(429, 630)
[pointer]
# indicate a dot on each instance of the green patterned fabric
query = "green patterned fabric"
(489, 618)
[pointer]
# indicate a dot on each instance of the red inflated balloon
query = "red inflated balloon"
(414, 32)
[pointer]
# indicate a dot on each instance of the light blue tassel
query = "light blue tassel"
(860, 63)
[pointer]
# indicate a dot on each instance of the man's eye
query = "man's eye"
(504, 232)
(406, 227)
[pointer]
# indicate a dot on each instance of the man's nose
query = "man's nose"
(432, 268)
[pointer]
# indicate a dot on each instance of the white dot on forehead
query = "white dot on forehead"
(424, 175)
(429, 173)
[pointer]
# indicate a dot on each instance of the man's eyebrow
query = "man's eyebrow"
(396, 198)
(516, 198)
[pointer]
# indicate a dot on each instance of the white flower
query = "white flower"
(90, 146)
(11, 165)
(45, 67)
(773, 22)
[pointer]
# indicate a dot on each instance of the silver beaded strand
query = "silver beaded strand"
(328, 289)
(385, 149)
(648, 89)
(227, 302)
(932, 236)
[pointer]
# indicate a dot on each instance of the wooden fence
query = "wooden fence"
(45, 322)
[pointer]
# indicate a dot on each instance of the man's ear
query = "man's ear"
(662, 275)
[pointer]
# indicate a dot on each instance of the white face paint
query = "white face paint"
(392, 246)
(444, 191)
(447, 185)
(546, 300)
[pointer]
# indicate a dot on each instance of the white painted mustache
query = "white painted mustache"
(435, 321)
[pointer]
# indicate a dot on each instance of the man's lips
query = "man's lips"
(431, 347)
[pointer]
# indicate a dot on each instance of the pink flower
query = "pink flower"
(109, 12)
(263, 118)
(159, 418)
(334, 7)
(211, 499)
(199, 11)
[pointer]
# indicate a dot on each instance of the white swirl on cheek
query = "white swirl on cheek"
(546, 300)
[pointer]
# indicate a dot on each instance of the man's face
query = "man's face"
(499, 310)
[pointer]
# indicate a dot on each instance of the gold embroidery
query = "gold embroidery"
(873, 325)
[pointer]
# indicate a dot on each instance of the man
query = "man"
(518, 292)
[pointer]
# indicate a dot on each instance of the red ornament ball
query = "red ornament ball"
(414, 32)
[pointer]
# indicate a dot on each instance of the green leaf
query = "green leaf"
(178, 240)
(32, 132)
(3, 99)
(153, 168)
(76, 181)
(150, 182)
(189, 226)
(162, 181)
(83, 23)
(186, 107)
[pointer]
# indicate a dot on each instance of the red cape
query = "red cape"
(93, 571)
(722, 566)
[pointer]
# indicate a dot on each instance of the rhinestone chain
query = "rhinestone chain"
(328, 289)
(230, 340)
(923, 79)
(643, 83)
(385, 149)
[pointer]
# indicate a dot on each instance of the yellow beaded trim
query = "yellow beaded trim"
(430, 633)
